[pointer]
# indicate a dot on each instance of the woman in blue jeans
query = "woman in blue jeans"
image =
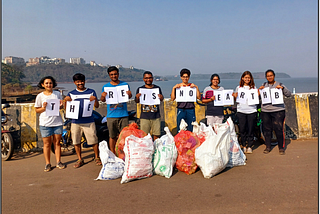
(185, 109)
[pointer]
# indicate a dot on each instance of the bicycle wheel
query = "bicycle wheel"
(7, 146)
(67, 148)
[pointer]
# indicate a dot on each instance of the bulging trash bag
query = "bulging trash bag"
(213, 154)
(165, 154)
(237, 157)
(138, 161)
(186, 143)
(201, 131)
(112, 166)
(132, 129)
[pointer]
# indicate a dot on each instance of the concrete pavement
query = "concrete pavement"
(267, 184)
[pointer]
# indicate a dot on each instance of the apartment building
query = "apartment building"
(77, 61)
(13, 60)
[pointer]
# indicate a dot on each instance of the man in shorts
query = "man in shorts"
(117, 114)
(84, 125)
(150, 114)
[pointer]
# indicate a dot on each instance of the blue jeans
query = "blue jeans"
(188, 115)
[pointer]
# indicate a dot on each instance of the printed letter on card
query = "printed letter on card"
(253, 97)
(123, 97)
(265, 95)
(87, 108)
(241, 98)
(112, 95)
(53, 106)
(276, 96)
(72, 109)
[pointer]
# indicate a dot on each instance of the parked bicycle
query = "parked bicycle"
(7, 146)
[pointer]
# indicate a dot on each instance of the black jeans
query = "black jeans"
(247, 123)
(273, 121)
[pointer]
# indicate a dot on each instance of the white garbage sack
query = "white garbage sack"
(202, 131)
(237, 157)
(112, 166)
(138, 158)
(213, 154)
(165, 154)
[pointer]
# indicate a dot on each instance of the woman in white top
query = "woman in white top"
(247, 114)
(50, 126)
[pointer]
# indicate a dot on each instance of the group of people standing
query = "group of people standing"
(117, 114)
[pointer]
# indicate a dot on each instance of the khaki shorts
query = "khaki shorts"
(115, 125)
(151, 126)
(89, 130)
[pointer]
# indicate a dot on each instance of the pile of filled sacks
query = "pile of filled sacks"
(137, 156)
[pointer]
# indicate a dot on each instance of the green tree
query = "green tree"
(11, 74)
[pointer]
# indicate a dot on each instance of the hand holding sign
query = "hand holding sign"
(276, 96)
(186, 94)
(265, 95)
(149, 96)
(117, 94)
(72, 109)
(241, 96)
(53, 106)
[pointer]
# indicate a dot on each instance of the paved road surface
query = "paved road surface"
(267, 184)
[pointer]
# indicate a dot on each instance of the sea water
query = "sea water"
(299, 85)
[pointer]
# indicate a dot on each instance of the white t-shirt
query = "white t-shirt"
(44, 120)
(245, 108)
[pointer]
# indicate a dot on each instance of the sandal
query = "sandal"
(98, 161)
(78, 164)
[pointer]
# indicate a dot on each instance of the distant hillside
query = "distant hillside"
(64, 73)
(257, 75)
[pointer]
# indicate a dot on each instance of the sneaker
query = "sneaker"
(78, 164)
(61, 165)
(267, 150)
(249, 150)
(47, 168)
(281, 152)
(244, 150)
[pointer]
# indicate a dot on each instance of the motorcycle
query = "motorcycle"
(102, 131)
(7, 146)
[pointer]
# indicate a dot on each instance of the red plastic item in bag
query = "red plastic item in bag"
(186, 143)
(132, 129)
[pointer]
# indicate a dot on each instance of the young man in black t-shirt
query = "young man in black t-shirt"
(150, 120)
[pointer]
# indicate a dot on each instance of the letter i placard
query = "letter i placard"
(72, 109)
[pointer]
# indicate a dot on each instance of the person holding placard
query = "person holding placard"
(151, 95)
(247, 110)
(185, 109)
(87, 98)
(50, 126)
(214, 114)
(273, 114)
(117, 113)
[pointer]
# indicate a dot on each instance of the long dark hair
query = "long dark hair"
(47, 77)
(251, 84)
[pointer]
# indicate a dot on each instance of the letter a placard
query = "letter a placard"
(72, 109)
(53, 106)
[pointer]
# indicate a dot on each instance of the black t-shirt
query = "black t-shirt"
(150, 111)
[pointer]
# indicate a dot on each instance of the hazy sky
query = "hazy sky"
(166, 36)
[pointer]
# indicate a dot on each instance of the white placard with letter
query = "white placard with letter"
(123, 97)
(228, 98)
(265, 95)
(52, 108)
(241, 98)
(149, 96)
(72, 109)
(112, 95)
(276, 96)
(87, 108)
(253, 97)
(186, 94)
(218, 101)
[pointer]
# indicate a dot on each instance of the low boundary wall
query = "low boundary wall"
(302, 119)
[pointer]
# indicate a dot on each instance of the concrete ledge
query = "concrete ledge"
(301, 119)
